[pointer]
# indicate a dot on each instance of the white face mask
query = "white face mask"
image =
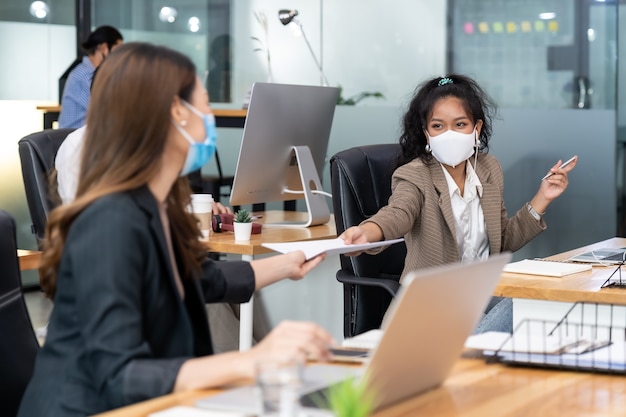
(452, 148)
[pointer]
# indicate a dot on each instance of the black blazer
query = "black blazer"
(119, 330)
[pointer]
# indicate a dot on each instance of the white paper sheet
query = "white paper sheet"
(312, 248)
(184, 411)
(366, 340)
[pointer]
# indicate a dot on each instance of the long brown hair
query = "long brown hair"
(127, 124)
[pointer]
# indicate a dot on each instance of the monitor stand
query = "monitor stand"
(317, 208)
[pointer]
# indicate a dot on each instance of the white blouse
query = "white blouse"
(469, 219)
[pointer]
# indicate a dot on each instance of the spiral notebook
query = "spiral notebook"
(545, 268)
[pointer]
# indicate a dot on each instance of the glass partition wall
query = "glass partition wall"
(362, 49)
(199, 28)
(550, 64)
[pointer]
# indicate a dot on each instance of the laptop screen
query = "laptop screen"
(604, 255)
(426, 328)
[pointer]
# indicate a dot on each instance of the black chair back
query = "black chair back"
(213, 183)
(18, 343)
(37, 153)
(361, 184)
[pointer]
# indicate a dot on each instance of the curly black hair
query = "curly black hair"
(477, 104)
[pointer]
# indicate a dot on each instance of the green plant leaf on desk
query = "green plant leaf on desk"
(242, 216)
(350, 398)
(353, 100)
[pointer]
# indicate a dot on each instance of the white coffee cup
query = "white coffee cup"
(202, 207)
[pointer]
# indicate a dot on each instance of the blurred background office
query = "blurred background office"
(551, 65)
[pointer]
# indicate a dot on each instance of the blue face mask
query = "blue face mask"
(199, 153)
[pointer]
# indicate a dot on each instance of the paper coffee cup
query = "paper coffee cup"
(202, 207)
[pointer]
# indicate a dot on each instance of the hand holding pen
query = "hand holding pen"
(553, 184)
(563, 166)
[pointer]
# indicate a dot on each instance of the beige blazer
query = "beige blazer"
(419, 210)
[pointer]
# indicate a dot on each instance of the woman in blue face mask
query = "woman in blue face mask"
(199, 153)
(123, 262)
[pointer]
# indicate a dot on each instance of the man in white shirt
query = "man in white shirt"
(67, 164)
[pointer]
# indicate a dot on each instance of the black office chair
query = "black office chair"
(18, 343)
(361, 184)
(37, 153)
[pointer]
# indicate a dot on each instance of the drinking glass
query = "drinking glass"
(278, 384)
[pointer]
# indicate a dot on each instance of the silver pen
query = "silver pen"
(563, 165)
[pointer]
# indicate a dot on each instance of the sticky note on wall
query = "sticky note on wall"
(511, 27)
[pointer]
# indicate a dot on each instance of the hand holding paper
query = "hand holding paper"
(312, 248)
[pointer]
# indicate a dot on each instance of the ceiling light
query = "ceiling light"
(547, 15)
(168, 14)
(39, 9)
(194, 24)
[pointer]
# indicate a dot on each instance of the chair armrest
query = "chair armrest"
(388, 284)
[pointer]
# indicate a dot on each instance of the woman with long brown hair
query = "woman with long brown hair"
(123, 261)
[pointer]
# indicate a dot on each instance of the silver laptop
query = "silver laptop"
(601, 256)
(423, 336)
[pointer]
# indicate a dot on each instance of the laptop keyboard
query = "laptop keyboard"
(319, 398)
(616, 257)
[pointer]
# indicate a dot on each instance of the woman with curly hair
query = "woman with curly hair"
(447, 191)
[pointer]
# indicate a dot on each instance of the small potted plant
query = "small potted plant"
(242, 225)
(351, 399)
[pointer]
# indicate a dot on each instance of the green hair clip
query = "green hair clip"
(444, 81)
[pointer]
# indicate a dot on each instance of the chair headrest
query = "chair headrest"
(366, 171)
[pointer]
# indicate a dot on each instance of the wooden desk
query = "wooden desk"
(477, 389)
(223, 117)
(584, 286)
(50, 115)
(29, 259)
(225, 243)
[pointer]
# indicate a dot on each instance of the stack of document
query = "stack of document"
(523, 343)
(367, 340)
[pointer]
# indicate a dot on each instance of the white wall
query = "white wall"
(367, 45)
(34, 57)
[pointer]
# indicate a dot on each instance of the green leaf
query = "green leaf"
(242, 216)
(351, 399)
(352, 100)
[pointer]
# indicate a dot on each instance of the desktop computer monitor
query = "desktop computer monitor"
(283, 150)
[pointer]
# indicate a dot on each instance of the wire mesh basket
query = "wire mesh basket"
(590, 337)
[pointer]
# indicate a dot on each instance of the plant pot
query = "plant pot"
(242, 231)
